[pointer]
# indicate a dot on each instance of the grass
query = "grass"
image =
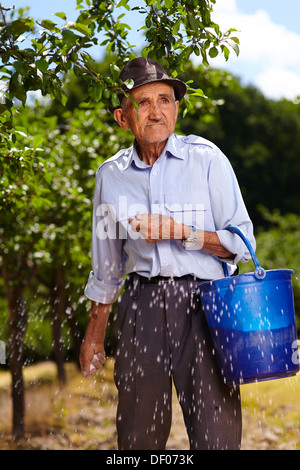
(275, 405)
(81, 415)
(74, 416)
(277, 398)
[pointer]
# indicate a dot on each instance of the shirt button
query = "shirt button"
(154, 173)
(166, 262)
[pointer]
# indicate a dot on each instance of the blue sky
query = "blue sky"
(270, 43)
(269, 31)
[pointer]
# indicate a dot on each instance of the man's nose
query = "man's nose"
(155, 111)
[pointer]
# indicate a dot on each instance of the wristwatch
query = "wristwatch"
(190, 241)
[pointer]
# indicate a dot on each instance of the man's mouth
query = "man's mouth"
(160, 123)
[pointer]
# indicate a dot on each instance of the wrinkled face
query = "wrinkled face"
(157, 113)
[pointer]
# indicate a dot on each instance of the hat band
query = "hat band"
(151, 77)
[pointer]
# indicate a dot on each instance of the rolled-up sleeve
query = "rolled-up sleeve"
(106, 279)
(229, 208)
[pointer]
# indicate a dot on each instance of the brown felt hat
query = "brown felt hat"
(142, 71)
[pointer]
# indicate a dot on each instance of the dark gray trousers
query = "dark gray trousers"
(163, 334)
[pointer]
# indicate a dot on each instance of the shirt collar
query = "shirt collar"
(172, 148)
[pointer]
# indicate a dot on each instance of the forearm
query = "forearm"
(207, 241)
(92, 354)
(213, 245)
(97, 322)
(157, 227)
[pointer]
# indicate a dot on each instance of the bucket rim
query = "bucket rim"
(243, 276)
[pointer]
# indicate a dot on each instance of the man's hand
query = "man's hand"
(155, 227)
(92, 358)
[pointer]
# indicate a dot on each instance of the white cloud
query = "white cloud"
(275, 83)
(269, 52)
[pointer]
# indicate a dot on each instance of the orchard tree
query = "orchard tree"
(36, 56)
(174, 31)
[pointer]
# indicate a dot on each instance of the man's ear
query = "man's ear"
(120, 117)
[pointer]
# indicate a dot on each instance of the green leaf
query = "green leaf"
(129, 83)
(19, 27)
(106, 93)
(226, 52)
(37, 141)
(2, 108)
(48, 24)
(123, 3)
(196, 50)
(61, 15)
(236, 49)
(115, 100)
(63, 99)
(69, 37)
(169, 4)
(95, 92)
(204, 58)
(194, 22)
(42, 65)
(216, 28)
(176, 27)
(16, 87)
(213, 52)
(20, 132)
(81, 28)
(197, 92)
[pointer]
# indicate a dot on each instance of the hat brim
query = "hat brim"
(180, 88)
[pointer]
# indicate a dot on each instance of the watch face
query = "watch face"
(190, 242)
(193, 234)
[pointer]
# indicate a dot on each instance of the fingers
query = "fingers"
(84, 363)
(135, 225)
(136, 222)
(90, 367)
(97, 362)
(153, 227)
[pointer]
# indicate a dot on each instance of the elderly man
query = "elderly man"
(161, 209)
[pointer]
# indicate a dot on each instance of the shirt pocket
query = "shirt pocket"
(188, 208)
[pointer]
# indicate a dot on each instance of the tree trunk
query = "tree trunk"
(17, 328)
(18, 325)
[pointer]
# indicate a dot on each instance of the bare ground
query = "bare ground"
(81, 416)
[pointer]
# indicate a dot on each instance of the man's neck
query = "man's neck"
(149, 152)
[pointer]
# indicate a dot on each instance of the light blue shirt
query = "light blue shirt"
(193, 182)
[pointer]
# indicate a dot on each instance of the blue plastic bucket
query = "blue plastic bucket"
(251, 318)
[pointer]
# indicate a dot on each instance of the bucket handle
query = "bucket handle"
(259, 272)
